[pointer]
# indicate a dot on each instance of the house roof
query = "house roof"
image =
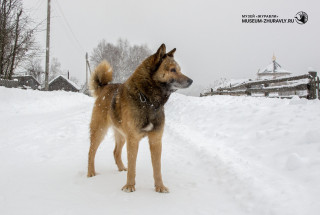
(66, 79)
(25, 76)
(273, 67)
(269, 69)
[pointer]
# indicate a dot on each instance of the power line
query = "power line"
(39, 3)
(39, 24)
(65, 28)
(69, 26)
(34, 8)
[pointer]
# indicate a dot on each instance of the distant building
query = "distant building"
(63, 83)
(272, 71)
(27, 81)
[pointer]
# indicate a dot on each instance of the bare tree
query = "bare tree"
(34, 68)
(123, 57)
(55, 68)
(222, 82)
(17, 42)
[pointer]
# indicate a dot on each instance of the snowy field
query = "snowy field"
(221, 155)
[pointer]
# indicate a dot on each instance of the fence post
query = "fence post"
(248, 92)
(312, 85)
(318, 86)
(9, 83)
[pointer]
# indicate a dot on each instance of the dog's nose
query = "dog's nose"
(189, 81)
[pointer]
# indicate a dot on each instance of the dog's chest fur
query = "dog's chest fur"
(148, 115)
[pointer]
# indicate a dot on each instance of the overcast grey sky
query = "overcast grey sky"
(210, 38)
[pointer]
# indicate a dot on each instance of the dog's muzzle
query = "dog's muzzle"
(182, 84)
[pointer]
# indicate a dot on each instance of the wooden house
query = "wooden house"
(272, 71)
(27, 82)
(63, 83)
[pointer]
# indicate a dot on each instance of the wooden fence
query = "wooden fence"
(9, 83)
(289, 86)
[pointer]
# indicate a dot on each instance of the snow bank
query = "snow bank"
(30, 101)
(265, 152)
(221, 155)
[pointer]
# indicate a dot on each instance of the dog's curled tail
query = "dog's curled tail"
(101, 76)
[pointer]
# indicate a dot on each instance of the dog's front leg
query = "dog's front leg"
(132, 151)
(155, 143)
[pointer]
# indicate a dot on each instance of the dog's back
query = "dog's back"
(105, 92)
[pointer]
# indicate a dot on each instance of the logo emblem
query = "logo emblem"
(301, 17)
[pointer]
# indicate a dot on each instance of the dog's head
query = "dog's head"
(168, 71)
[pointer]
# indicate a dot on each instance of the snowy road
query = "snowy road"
(221, 155)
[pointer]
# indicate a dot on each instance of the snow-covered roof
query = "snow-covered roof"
(68, 80)
(267, 69)
(25, 76)
(273, 67)
(21, 75)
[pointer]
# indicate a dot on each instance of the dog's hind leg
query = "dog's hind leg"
(120, 140)
(98, 129)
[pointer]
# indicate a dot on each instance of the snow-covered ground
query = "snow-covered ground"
(221, 155)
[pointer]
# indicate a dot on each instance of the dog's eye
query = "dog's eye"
(173, 70)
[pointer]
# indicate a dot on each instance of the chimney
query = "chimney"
(68, 75)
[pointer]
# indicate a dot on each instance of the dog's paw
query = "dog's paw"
(161, 189)
(128, 188)
(91, 174)
(122, 169)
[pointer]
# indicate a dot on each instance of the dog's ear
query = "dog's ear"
(160, 53)
(171, 53)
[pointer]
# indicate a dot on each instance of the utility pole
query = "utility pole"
(48, 47)
(86, 69)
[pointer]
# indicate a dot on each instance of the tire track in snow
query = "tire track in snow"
(257, 188)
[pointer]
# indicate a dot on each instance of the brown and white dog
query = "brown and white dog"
(134, 109)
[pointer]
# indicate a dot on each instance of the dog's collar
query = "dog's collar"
(142, 97)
